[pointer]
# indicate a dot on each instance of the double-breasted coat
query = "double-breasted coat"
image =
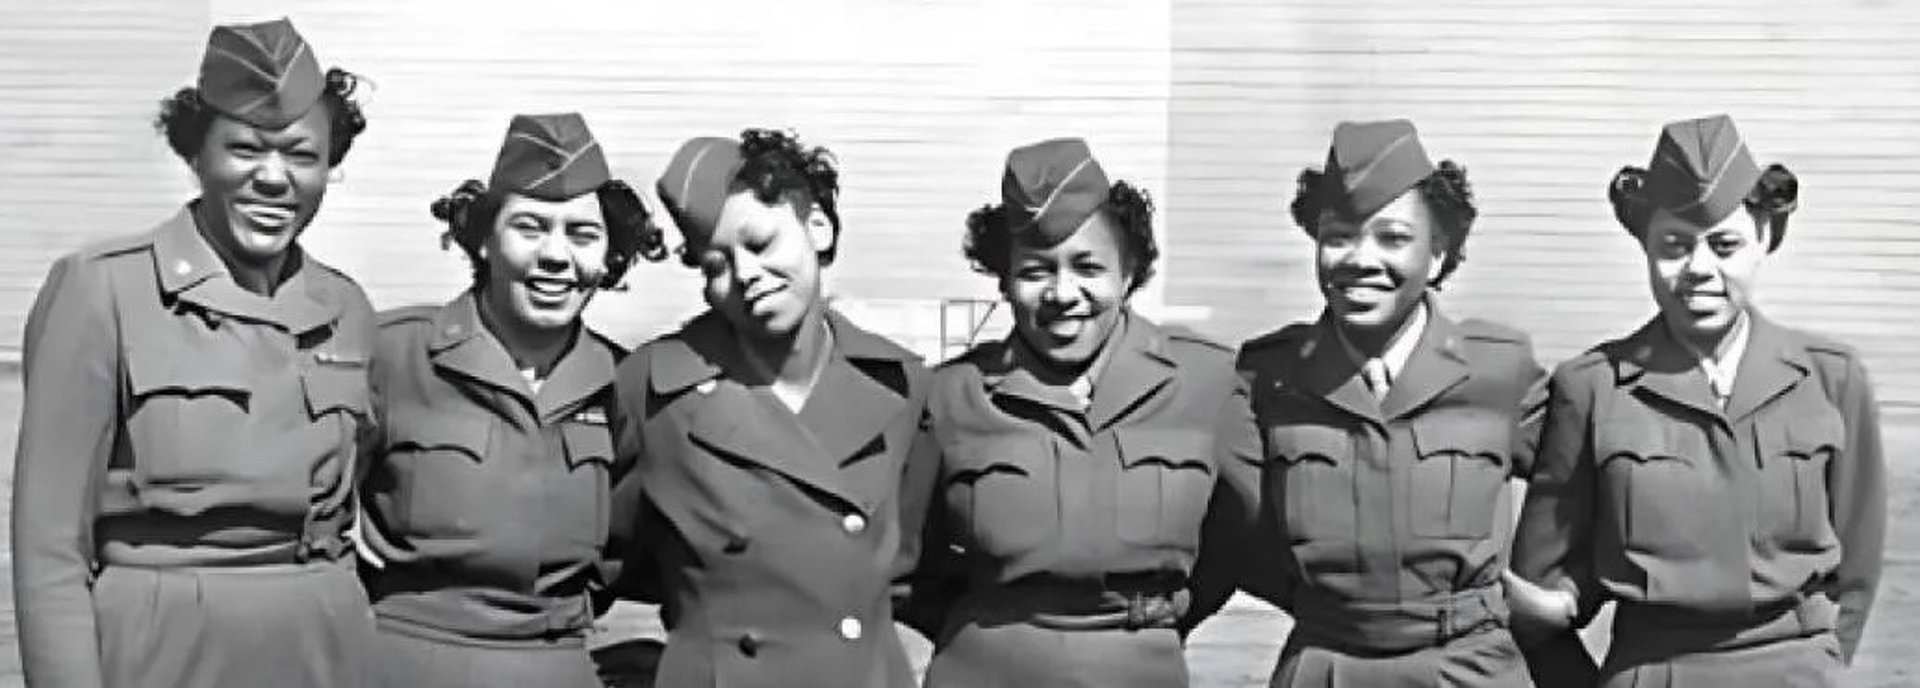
(487, 503)
(771, 538)
(1063, 532)
(1385, 521)
(1742, 543)
(184, 469)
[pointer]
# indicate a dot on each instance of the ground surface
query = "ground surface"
(1238, 647)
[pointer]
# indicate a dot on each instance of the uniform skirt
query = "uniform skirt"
(1486, 659)
(294, 625)
(404, 658)
(1016, 655)
(1791, 646)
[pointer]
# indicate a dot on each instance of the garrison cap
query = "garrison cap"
(1370, 164)
(694, 185)
(264, 74)
(1701, 170)
(1050, 188)
(549, 157)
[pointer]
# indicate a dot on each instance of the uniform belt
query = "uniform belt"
(1131, 601)
(1667, 630)
(216, 539)
(1398, 626)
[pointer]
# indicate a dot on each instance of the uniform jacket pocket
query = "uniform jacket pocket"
(1459, 474)
(580, 504)
(1166, 478)
(1315, 473)
(187, 415)
(1655, 488)
(440, 460)
(1801, 450)
(1004, 487)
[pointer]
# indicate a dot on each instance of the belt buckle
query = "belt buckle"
(1136, 609)
(1443, 628)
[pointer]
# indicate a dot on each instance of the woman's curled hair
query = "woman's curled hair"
(470, 211)
(775, 166)
(1446, 191)
(185, 117)
(1774, 196)
(989, 241)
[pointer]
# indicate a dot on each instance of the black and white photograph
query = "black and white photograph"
(959, 344)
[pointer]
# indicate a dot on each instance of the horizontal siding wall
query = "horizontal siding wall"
(920, 100)
(1542, 102)
(80, 84)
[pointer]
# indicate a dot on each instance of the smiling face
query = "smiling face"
(1703, 277)
(761, 264)
(1373, 273)
(1067, 298)
(259, 188)
(544, 259)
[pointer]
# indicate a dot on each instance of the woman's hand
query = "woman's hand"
(1537, 613)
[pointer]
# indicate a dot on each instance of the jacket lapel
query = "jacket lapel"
(1772, 364)
(585, 370)
(1137, 368)
(461, 345)
(1435, 367)
(189, 269)
(1330, 374)
(1652, 361)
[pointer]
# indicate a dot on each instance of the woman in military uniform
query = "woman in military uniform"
(1391, 432)
(487, 496)
(193, 398)
(770, 436)
(1715, 473)
(1076, 459)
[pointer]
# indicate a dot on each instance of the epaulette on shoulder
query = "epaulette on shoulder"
(405, 314)
(1596, 356)
(113, 246)
(1187, 335)
(1490, 331)
(1821, 345)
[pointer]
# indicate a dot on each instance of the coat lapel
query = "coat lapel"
(585, 370)
(1771, 365)
(1136, 369)
(847, 411)
(1435, 367)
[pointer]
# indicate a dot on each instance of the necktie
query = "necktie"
(1378, 380)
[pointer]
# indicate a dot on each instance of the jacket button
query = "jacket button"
(854, 524)
(850, 628)
(749, 645)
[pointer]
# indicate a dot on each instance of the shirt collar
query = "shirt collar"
(1400, 348)
(1721, 371)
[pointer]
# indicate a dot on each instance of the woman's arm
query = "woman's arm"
(69, 421)
(1857, 482)
(1231, 511)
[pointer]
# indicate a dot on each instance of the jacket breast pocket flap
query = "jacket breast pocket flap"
(587, 442)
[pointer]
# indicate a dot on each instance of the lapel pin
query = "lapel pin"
(705, 387)
(591, 416)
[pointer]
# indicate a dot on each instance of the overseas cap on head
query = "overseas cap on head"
(1050, 188)
(550, 157)
(694, 185)
(1701, 170)
(1371, 164)
(262, 74)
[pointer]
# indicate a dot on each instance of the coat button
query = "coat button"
(850, 628)
(854, 524)
(182, 267)
(749, 645)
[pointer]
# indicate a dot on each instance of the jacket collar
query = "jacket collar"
(462, 343)
(187, 268)
(1434, 366)
(1774, 362)
(1136, 365)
